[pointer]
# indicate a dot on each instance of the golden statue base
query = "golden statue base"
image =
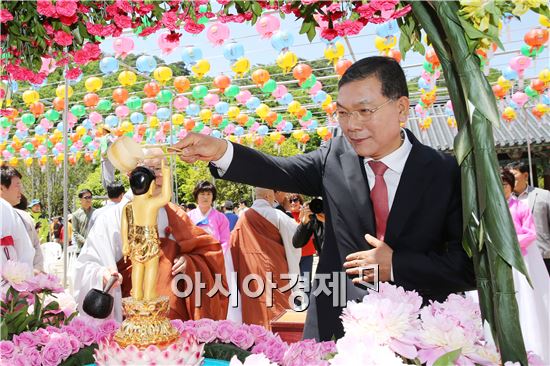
(146, 323)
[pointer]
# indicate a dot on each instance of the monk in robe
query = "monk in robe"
(184, 249)
(261, 242)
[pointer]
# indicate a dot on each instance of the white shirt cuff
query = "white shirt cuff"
(223, 163)
(391, 274)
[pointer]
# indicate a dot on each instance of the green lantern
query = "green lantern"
(198, 127)
(78, 110)
(49, 144)
(199, 92)
(531, 51)
(28, 119)
(307, 116)
(5, 122)
(428, 67)
(104, 105)
(203, 8)
(29, 146)
(309, 82)
(134, 103)
(52, 115)
(224, 123)
(129, 134)
(232, 91)
(269, 86)
(86, 139)
(530, 92)
(10, 149)
(165, 96)
(250, 122)
(203, 20)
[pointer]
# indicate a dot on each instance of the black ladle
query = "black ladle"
(99, 304)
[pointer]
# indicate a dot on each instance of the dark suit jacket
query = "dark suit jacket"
(424, 226)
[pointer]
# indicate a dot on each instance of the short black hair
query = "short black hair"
(244, 202)
(385, 69)
(6, 175)
(507, 177)
(518, 165)
(228, 205)
(205, 186)
(115, 189)
(191, 206)
(23, 203)
(141, 179)
(83, 192)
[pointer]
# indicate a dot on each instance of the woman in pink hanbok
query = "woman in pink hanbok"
(533, 302)
(216, 224)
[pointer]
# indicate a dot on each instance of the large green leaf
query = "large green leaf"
(224, 351)
(448, 358)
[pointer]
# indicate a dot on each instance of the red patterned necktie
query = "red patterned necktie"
(379, 198)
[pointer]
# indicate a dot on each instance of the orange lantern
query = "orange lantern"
(91, 99)
(301, 72)
(499, 91)
(341, 66)
(432, 58)
(536, 38)
(304, 139)
(151, 89)
(141, 129)
(88, 157)
(258, 141)
(11, 113)
(243, 118)
(260, 76)
(330, 109)
(300, 112)
(181, 83)
(395, 54)
(37, 108)
(270, 117)
(217, 119)
(222, 82)
(538, 85)
(58, 104)
(189, 124)
(120, 95)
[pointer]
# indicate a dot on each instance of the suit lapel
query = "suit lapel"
(410, 189)
(357, 183)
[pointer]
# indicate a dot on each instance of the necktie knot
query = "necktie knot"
(378, 167)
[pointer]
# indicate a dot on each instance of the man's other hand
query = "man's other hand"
(196, 146)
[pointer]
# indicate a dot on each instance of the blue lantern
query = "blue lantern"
(111, 120)
(387, 29)
(215, 133)
(262, 130)
(233, 51)
(108, 65)
(192, 109)
(282, 40)
(320, 96)
(146, 64)
(137, 118)
(239, 131)
(253, 103)
(510, 74)
(221, 107)
(163, 114)
(191, 55)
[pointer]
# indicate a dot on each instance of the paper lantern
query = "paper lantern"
(201, 68)
(260, 76)
(301, 72)
(93, 84)
(222, 82)
(127, 78)
(181, 84)
(217, 33)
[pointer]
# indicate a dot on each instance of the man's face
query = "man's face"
(280, 196)
(86, 200)
(13, 193)
(377, 134)
(155, 164)
(521, 178)
(36, 208)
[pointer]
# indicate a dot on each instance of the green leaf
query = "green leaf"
(223, 351)
(256, 8)
(311, 33)
(83, 357)
(3, 330)
(448, 358)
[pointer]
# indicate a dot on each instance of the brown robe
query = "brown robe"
(257, 248)
(203, 254)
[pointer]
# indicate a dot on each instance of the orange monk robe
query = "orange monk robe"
(203, 254)
(257, 248)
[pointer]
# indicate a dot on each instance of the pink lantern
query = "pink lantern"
(520, 98)
(519, 64)
(24, 152)
(21, 126)
(315, 88)
(449, 105)
(166, 45)
(95, 118)
(6, 154)
(149, 108)
(122, 111)
(279, 91)
(267, 25)
(182, 133)
(217, 34)
(138, 138)
(48, 65)
(243, 96)
(59, 147)
(254, 127)
(211, 99)
(41, 149)
(280, 126)
(206, 130)
(71, 119)
(426, 76)
(180, 103)
(229, 129)
(123, 46)
(420, 111)
(45, 123)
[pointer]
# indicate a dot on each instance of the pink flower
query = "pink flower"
(74, 73)
(169, 20)
(329, 33)
(5, 16)
(42, 336)
(124, 5)
(88, 335)
(225, 330)
(94, 29)
(51, 354)
(75, 344)
(149, 30)
(193, 28)
(63, 38)
(348, 27)
(46, 8)
(6, 349)
(32, 357)
(62, 343)
(65, 8)
(123, 21)
(257, 331)
(144, 9)
(19, 360)
(223, 2)
(16, 273)
(205, 330)
(178, 324)
(25, 340)
(106, 329)
(242, 339)
(68, 20)
(534, 360)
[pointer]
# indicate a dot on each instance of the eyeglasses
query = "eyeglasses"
(363, 114)
(294, 200)
(87, 197)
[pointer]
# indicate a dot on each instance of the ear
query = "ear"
(403, 104)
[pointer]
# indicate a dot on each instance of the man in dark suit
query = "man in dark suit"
(388, 199)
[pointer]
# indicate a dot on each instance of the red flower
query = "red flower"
(83, 8)
(62, 62)
(169, 20)
(150, 30)
(46, 8)
(402, 12)
(112, 10)
(123, 21)
(144, 9)
(74, 73)
(167, 231)
(93, 51)
(348, 28)
(124, 6)
(94, 29)
(5, 16)
(223, 2)
(329, 34)
(65, 8)
(68, 20)
(80, 57)
(108, 30)
(63, 38)
(193, 28)
(173, 37)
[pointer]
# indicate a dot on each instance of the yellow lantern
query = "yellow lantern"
(43, 160)
(93, 84)
(327, 101)
(544, 76)
(200, 68)
(262, 110)
(275, 136)
(298, 134)
(241, 66)
(232, 138)
(13, 161)
(205, 115)
(504, 83)
(322, 131)
(60, 91)
(287, 60)
(162, 74)
(28, 162)
(544, 21)
(233, 112)
(30, 97)
(293, 106)
(127, 78)
(153, 122)
(334, 52)
(385, 44)
(177, 119)
(80, 131)
(126, 126)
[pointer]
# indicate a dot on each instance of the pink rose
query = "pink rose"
(5, 16)
(51, 355)
(72, 74)
(6, 349)
(94, 29)
(144, 9)
(42, 336)
(205, 330)
(124, 5)
(225, 330)
(19, 360)
(62, 343)
(169, 20)
(178, 324)
(32, 357)
(25, 340)
(68, 20)
(75, 344)
(223, 2)
(257, 331)
(46, 8)
(193, 28)
(106, 330)
(242, 339)
(88, 336)
(123, 21)
(65, 8)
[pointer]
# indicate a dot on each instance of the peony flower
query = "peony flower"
(363, 350)
(124, 5)
(205, 330)
(123, 21)
(193, 28)
(32, 357)
(106, 329)
(252, 360)
(7, 348)
(42, 336)
(225, 330)
(63, 38)
(307, 352)
(65, 8)
(257, 331)
(46, 8)
(25, 340)
(5, 16)
(68, 20)
(51, 354)
(16, 273)
(169, 20)
(242, 339)
(178, 324)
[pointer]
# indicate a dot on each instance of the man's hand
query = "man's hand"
(196, 146)
(107, 273)
(381, 254)
(180, 264)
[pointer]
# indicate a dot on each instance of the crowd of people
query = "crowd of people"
(378, 199)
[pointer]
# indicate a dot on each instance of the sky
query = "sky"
(260, 51)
